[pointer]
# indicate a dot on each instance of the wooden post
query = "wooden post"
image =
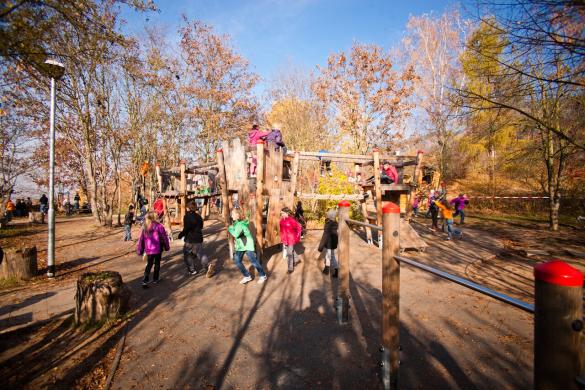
(159, 178)
(259, 197)
(293, 179)
(342, 301)
(364, 209)
(225, 206)
(183, 191)
(558, 326)
(390, 296)
(167, 218)
(417, 179)
(378, 193)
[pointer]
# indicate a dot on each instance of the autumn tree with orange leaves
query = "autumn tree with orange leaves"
(367, 95)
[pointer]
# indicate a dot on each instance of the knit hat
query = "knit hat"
(331, 215)
(286, 210)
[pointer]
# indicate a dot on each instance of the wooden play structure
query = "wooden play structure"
(274, 183)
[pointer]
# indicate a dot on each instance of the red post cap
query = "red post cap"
(420, 152)
(375, 150)
(183, 162)
(344, 203)
(390, 208)
(219, 150)
(260, 141)
(558, 272)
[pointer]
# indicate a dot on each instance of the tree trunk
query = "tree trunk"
(19, 263)
(100, 296)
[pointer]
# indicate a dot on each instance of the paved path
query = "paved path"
(215, 333)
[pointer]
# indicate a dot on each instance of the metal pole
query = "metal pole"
(51, 243)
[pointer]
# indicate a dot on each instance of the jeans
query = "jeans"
(127, 232)
(194, 256)
(449, 223)
(291, 255)
(330, 259)
(239, 256)
(150, 259)
(461, 213)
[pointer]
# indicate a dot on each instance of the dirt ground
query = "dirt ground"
(214, 333)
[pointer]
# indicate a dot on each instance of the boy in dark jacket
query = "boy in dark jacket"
(128, 221)
(329, 242)
(193, 247)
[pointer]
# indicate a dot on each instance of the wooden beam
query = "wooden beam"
(303, 195)
(343, 255)
(390, 296)
(293, 179)
(377, 186)
(225, 204)
(159, 178)
(259, 198)
(183, 190)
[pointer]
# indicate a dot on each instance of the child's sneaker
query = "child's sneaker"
(335, 272)
(246, 279)
(144, 284)
(157, 281)
(326, 270)
(262, 279)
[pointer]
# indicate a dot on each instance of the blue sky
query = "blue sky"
(272, 34)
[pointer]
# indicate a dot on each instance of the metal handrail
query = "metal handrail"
(364, 224)
(469, 284)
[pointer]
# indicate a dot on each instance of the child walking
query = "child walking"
(290, 234)
(153, 241)
(128, 221)
(329, 242)
(447, 212)
(244, 244)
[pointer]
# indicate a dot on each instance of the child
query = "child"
(290, 234)
(128, 221)
(460, 202)
(329, 242)
(388, 174)
(300, 217)
(447, 215)
(244, 244)
(415, 203)
(153, 241)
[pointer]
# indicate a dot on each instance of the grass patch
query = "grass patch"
(96, 276)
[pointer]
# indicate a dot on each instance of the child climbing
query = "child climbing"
(255, 135)
(329, 242)
(128, 221)
(447, 215)
(388, 173)
(153, 241)
(244, 244)
(290, 234)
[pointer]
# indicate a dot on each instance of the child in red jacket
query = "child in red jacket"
(290, 234)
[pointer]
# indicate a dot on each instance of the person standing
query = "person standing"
(128, 221)
(434, 209)
(244, 245)
(415, 203)
(460, 202)
(290, 234)
(44, 201)
(193, 253)
(153, 241)
(9, 210)
(329, 241)
(76, 200)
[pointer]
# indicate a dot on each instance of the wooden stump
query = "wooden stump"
(19, 263)
(100, 296)
(36, 217)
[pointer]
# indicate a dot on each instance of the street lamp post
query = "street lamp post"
(55, 70)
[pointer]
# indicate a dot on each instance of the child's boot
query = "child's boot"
(326, 270)
(335, 272)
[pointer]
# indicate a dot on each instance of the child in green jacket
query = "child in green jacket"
(244, 244)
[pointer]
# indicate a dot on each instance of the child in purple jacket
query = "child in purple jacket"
(459, 203)
(153, 241)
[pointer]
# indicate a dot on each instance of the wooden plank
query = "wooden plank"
(409, 238)
(304, 195)
(272, 170)
(377, 187)
(259, 198)
(225, 204)
(344, 261)
(294, 179)
(183, 190)
(273, 220)
(235, 164)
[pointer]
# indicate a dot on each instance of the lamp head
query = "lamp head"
(54, 69)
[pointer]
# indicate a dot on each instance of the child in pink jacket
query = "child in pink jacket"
(290, 234)
(255, 135)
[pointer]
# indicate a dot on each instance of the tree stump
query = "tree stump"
(100, 296)
(19, 263)
(36, 217)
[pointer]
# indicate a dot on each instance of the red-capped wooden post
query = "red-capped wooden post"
(342, 301)
(225, 204)
(390, 295)
(558, 326)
